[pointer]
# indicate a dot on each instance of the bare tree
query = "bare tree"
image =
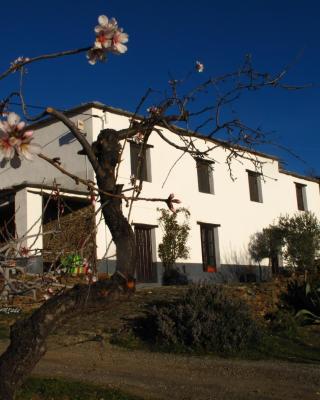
(176, 112)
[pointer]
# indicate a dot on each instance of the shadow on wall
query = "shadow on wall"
(227, 273)
(237, 266)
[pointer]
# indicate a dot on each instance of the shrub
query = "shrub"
(173, 276)
(302, 295)
(204, 319)
(283, 321)
(266, 244)
(296, 238)
(304, 299)
(302, 240)
(175, 236)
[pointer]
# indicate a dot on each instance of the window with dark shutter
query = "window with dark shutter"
(205, 179)
(134, 155)
(208, 248)
(254, 186)
(300, 197)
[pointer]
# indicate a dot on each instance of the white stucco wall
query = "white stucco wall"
(51, 139)
(28, 213)
(229, 206)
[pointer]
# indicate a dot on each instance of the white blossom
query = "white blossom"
(118, 40)
(18, 61)
(199, 66)
(15, 141)
(109, 37)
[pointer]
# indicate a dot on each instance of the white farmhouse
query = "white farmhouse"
(224, 212)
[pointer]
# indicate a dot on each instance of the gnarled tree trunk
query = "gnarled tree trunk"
(107, 150)
(28, 336)
(122, 235)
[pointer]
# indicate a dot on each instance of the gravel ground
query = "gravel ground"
(168, 376)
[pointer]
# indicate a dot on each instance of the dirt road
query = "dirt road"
(164, 376)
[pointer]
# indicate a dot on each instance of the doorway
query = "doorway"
(145, 267)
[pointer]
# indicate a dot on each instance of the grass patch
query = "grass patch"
(59, 389)
(128, 340)
(303, 347)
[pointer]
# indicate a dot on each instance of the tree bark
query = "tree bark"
(107, 150)
(122, 235)
(28, 336)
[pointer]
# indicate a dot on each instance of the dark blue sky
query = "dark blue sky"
(167, 37)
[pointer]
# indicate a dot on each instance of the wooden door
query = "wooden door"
(145, 269)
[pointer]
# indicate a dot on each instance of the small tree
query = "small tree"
(301, 234)
(267, 244)
(174, 242)
(296, 238)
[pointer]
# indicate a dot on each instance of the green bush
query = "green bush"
(204, 319)
(301, 234)
(284, 322)
(175, 236)
(302, 295)
(303, 299)
(266, 244)
(295, 238)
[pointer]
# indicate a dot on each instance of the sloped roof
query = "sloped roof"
(98, 105)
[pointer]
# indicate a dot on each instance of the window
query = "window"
(255, 190)
(145, 165)
(210, 247)
(301, 196)
(205, 178)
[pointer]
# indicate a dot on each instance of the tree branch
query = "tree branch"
(81, 139)
(92, 186)
(26, 61)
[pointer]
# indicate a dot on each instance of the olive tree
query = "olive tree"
(301, 233)
(267, 244)
(296, 238)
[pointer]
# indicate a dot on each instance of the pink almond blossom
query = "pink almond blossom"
(105, 31)
(26, 149)
(7, 145)
(14, 141)
(24, 251)
(138, 138)
(118, 40)
(154, 110)
(199, 66)
(109, 37)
